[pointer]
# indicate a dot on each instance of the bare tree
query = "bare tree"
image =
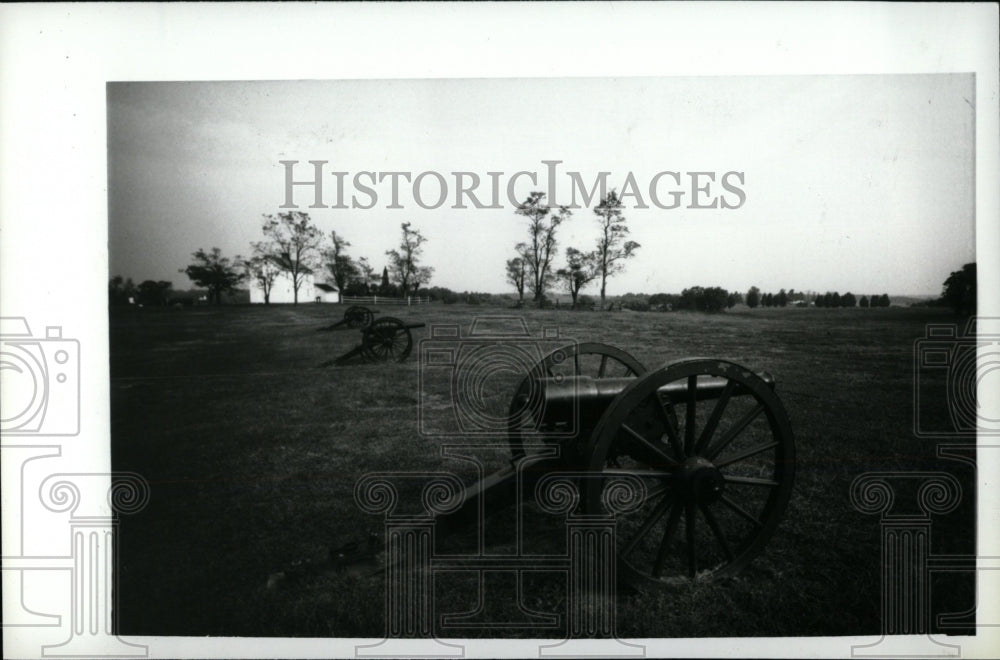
(579, 271)
(404, 264)
(540, 248)
(297, 242)
(612, 248)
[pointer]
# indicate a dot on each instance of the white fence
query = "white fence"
(384, 300)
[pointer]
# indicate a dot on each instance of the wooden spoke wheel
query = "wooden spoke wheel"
(387, 339)
(358, 317)
(587, 359)
(713, 447)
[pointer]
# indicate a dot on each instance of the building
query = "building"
(282, 291)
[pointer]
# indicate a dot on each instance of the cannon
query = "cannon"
(387, 339)
(708, 439)
(355, 317)
(707, 444)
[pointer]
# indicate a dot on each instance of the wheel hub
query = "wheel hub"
(699, 481)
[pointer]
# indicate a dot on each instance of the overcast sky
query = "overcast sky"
(851, 183)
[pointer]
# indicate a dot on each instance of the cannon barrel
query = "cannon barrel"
(599, 392)
(577, 402)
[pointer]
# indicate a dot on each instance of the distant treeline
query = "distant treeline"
(160, 293)
(848, 300)
(959, 293)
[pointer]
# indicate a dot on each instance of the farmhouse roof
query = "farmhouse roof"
(323, 286)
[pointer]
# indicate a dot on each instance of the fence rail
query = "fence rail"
(385, 300)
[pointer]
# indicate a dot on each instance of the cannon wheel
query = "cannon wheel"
(358, 317)
(588, 359)
(717, 473)
(386, 339)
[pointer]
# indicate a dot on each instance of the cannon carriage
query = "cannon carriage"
(386, 340)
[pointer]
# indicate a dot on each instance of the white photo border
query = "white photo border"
(56, 59)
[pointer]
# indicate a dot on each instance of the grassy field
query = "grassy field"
(252, 449)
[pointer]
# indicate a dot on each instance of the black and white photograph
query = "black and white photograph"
(447, 362)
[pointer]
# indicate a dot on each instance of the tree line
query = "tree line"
(292, 245)
(295, 246)
(754, 298)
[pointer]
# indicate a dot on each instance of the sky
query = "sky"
(859, 183)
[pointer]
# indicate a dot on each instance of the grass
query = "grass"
(252, 450)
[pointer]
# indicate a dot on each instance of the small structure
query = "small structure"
(283, 292)
(326, 293)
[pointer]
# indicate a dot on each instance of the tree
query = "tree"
(781, 300)
(214, 272)
(120, 292)
(663, 301)
(863, 302)
(848, 300)
(580, 269)
(421, 275)
(152, 294)
(338, 264)
(384, 285)
(959, 291)
(734, 299)
(753, 297)
(404, 265)
(702, 299)
(612, 248)
(713, 299)
(517, 269)
(366, 273)
(883, 300)
(540, 249)
(261, 268)
(296, 240)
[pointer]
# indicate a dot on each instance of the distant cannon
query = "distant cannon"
(387, 339)
(354, 317)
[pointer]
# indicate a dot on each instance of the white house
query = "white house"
(282, 291)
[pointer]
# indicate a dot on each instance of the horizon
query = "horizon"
(566, 295)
